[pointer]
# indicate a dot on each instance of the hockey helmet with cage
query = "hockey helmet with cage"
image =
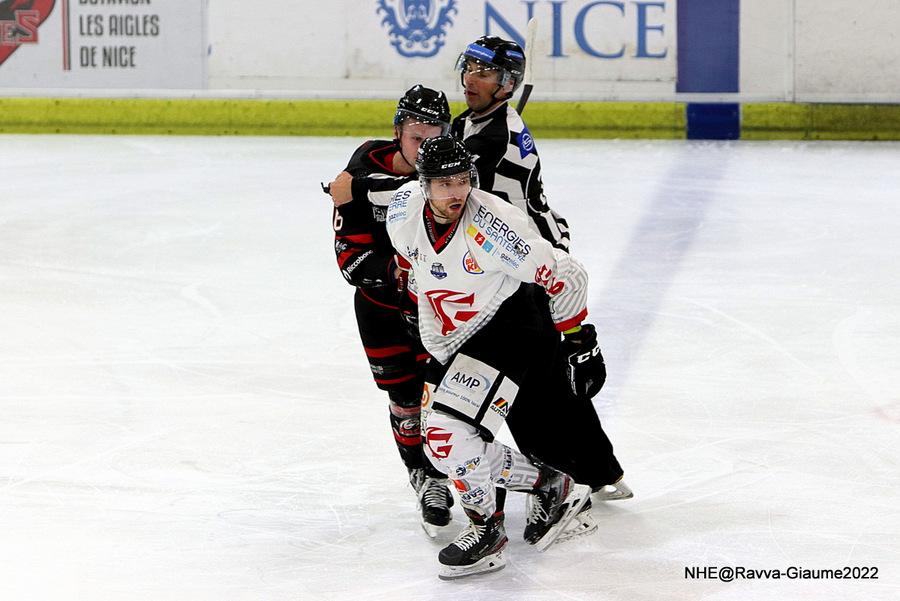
(424, 105)
(441, 157)
(492, 52)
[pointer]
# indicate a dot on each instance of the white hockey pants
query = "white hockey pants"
(475, 466)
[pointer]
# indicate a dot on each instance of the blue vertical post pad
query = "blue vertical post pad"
(709, 121)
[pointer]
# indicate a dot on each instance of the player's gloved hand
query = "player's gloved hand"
(408, 309)
(584, 361)
(410, 313)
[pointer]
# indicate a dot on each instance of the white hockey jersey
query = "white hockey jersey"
(461, 280)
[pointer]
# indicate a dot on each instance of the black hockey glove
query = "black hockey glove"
(584, 362)
(408, 309)
(410, 314)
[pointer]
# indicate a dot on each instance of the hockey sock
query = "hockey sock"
(407, 434)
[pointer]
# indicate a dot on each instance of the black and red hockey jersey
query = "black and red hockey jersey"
(364, 252)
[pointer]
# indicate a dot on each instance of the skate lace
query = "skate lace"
(470, 536)
(435, 494)
(536, 511)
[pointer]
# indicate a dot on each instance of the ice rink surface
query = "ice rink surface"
(186, 412)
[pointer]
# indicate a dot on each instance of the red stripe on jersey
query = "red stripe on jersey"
(396, 380)
(359, 238)
(385, 161)
(379, 303)
(387, 351)
(423, 357)
(344, 257)
(571, 323)
(403, 263)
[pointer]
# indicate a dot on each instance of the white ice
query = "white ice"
(186, 412)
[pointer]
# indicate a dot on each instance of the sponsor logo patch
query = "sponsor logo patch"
(525, 143)
(471, 265)
(475, 496)
(480, 239)
(500, 406)
(468, 382)
(468, 467)
(426, 396)
(494, 231)
(438, 271)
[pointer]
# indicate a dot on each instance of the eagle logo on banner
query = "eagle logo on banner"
(19, 22)
(417, 27)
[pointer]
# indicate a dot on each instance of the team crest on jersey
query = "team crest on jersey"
(417, 27)
(438, 442)
(438, 271)
(19, 22)
(445, 303)
(471, 265)
(525, 143)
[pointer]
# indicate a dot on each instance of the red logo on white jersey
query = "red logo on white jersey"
(441, 302)
(434, 437)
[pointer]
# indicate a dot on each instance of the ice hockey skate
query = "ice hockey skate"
(617, 491)
(477, 550)
(582, 524)
(555, 503)
(434, 501)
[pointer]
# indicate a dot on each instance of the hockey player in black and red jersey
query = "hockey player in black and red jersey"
(474, 261)
(366, 260)
(508, 165)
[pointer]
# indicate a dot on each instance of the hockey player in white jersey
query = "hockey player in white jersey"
(474, 263)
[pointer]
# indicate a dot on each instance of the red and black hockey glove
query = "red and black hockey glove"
(584, 361)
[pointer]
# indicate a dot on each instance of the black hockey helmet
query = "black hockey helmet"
(444, 156)
(425, 106)
(496, 53)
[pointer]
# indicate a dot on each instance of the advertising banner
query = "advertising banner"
(585, 40)
(584, 48)
(105, 44)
